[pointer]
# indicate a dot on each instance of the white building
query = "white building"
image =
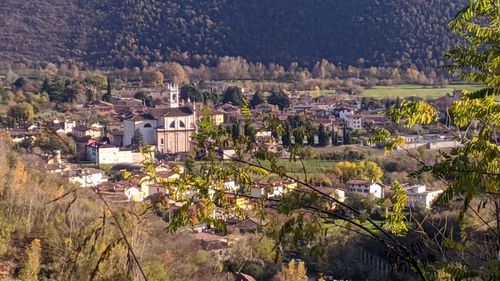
(273, 189)
(86, 177)
(145, 123)
(419, 196)
(354, 122)
(365, 187)
(134, 194)
(64, 127)
(110, 155)
(345, 113)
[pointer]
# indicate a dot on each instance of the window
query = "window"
(182, 125)
(172, 125)
(161, 141)
(147, 125)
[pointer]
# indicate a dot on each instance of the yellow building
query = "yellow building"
(217, 117)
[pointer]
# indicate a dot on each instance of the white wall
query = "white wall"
(88, 180)
(113, 155)
(149, 134)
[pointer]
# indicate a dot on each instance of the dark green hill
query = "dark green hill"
(133, 32)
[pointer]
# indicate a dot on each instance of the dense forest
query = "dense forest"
(139, 32)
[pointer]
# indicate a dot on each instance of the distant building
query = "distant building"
(354, 122)
(344, 113)
(101, 107)
(18, 135)
(64, 127)
(337, 193)
(365, 187)
(176, 127)
(145, 123)
(109, 154)
(217, 117)
(231, 112)
(124, 105)
(419, 196)
(86, 177)
(272, 189)
(169, 127)
(169, 91)
(81, 131)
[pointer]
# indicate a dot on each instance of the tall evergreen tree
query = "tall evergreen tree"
(323, 136)
(137, 138)
(286, 139)
(311, 135)
(107, 96)
(346, 139)
(235, 131)
(335, 140)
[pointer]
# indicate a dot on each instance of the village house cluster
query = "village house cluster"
(168, 126)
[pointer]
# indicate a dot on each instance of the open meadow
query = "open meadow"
(409, 90)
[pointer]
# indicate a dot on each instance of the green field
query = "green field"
(405, 91)
(314, 167)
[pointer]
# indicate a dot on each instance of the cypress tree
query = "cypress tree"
(335, 140)
(235, 131)
(286, 138)
(323, 136)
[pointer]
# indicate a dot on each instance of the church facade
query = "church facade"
(169, 126)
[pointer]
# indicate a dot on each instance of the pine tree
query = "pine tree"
(137, 138)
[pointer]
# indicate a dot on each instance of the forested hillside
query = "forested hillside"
(135, 32)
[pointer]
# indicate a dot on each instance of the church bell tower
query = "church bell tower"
(173, 96)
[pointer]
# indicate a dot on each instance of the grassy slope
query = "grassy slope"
(415, 90)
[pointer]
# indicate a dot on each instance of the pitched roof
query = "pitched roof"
(358, 181)
(172, 112)
(140, 117)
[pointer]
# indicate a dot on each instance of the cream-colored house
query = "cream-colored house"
(365, 187)
(272, 189)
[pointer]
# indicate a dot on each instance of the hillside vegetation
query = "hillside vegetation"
(138, 32)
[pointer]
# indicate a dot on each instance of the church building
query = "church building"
(169, 126)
